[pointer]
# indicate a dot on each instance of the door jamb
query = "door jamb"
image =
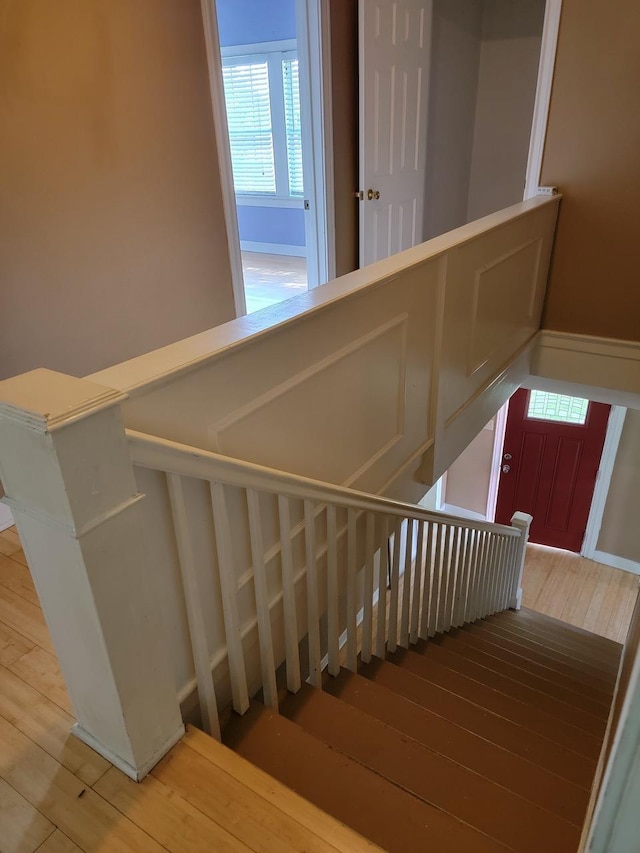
(548, 50)
(315, 14)
(500, 425)
(603, 481)
(214, 61)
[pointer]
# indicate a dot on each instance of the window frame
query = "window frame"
(273, 53)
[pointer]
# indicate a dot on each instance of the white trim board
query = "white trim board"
(6, 519)
(548, 49)
(273, 248)
(214, 61)
(603, 369)
(603, 481)
(616, 562)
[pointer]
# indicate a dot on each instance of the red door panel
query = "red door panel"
(550, 472)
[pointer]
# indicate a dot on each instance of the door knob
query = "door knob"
(506, 469)
(373, 194)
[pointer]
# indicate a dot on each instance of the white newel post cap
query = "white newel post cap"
(522, 520)
(68, 478)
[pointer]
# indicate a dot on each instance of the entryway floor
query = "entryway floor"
(582, 592)
(269, 279)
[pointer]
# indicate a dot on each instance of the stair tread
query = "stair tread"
(535, 616)
(587, 652)
(480, 645)
(488, 807)
(530, 717)
(340, 837)
(494, 762)
(360, 798)
(540, 653)
(523, 742)
(513, 683)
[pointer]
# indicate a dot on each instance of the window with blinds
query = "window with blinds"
(246, 90)
(262, 94)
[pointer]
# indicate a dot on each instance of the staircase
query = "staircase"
(484, 739)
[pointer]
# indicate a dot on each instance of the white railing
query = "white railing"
(377, 380)
(427, 572)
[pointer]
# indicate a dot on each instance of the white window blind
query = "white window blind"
(262, 94)
(291, 87)
(246, 89)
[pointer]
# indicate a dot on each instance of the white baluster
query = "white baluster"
(332, 591)
(436, 582)
(480, 574)
(406, 586)
(417, 588)
(263, 612)
(352, 568)
(453, 578)
(367, 618)
(289, 597)
(193, 601)
(458, 602)
(381, 639)
(229, 590)
(428, 582)
(313, 604)
(395, 583)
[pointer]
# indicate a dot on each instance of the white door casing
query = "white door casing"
(394, 48)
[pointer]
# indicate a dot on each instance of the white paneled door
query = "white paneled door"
(395, 38)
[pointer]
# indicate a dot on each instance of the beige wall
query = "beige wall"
(344, 79)
(619, 531)
(469, 477)
(113, 239)
(507, 79)
(591, 153)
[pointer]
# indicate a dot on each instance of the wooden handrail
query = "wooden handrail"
(172, 457)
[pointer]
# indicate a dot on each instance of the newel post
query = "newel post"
(68, 478)
(522, 521)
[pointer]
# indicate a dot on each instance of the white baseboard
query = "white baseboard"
(273, 248)
(6, 519)
(616, 562)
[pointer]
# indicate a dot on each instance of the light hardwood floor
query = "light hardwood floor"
(582, 592)
(58, 796)
(269, 279)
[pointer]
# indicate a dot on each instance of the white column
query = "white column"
(68, 478)
(522, 521)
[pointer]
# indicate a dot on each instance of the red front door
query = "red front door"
(549, 467)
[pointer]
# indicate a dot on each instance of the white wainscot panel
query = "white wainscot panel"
(495, 291)
(503, 302)
(299, 425)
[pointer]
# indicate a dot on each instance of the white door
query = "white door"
(395, 37)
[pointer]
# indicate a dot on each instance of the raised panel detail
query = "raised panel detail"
(503, 301)
(564, 479)
(299, 425)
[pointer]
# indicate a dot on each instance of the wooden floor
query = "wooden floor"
(578, 591)
(269, 279)
(58, 796)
